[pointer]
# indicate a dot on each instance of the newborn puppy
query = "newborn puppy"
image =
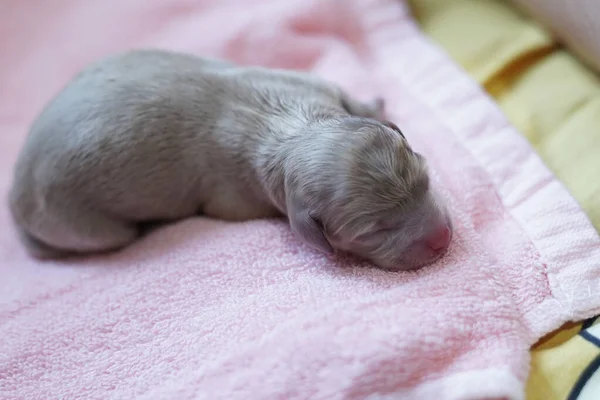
(151, 135)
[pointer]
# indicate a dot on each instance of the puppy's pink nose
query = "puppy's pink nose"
(440, 238)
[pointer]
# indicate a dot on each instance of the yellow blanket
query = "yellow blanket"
(554, 100)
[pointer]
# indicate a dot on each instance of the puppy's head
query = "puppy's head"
(365, 191)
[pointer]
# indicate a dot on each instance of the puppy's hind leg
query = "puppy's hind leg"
(78, 232)
(38, 249)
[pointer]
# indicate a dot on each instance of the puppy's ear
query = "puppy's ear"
(373, 109)
(306, 226)
(378, 106)
(393, 126)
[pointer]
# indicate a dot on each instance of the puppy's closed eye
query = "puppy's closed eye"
(378, 229)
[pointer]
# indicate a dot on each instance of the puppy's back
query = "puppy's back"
(126, 124)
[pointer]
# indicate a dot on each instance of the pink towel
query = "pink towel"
(210, 310)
